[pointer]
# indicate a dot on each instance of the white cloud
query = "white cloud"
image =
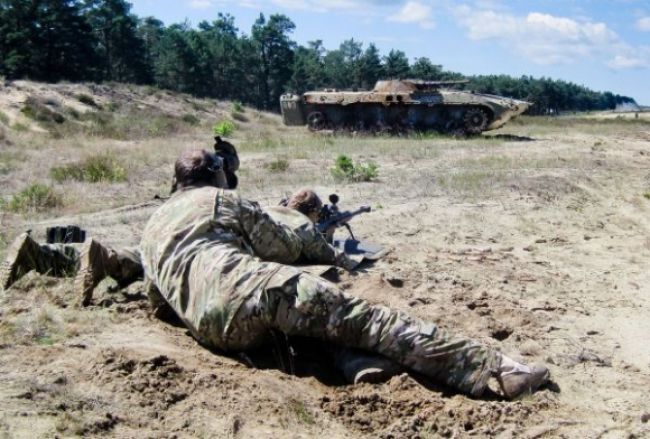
(316, 6)
(414, 12)
(631, 58)
(622, 62)
(200, 4)
(548, 39)
(643, 24)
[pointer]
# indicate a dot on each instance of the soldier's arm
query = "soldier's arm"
(316, 250)
(270, 240)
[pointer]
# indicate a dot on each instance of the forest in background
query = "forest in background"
(101, 40)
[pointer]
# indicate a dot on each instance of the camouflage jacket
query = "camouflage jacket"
(315, 249)
(207, 250)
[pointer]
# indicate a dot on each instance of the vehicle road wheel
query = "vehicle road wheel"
(316, 121)
(476, 121)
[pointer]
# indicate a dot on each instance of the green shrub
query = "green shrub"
(4, 118)
(86, 100)
(279, 165)
(237, 107)
(93, 170)
(36, 110)
(190, 119)
(224, 128)
(346, 170)
(646, 195)
(239, 116)
(35, 197)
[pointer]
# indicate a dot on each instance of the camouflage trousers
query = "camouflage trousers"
(62, 260)
(313, 307)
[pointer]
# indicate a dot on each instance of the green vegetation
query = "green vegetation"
(40, 112)
(301, 412)
(239, 116)
(237, 107)
(346, 170)
(93, 170)
(131, 124)
(190, 119)
(36, 197)
(4, 118)
(217, 60)
(87, 100)
(646, 195)
(278, 165)
(224, 128)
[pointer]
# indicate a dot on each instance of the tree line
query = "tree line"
(102, 40)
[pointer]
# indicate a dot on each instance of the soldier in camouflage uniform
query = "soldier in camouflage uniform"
(92, 262)
(89, 262)
(220, 262)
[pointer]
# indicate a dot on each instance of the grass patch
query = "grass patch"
(646, 195)
(128, 125)
(346, 170)
(87, 100)
(4, 118)
(237, 107)
(264, 143)
(198, 106)
(36, 110)
(21, 128)
(190, 119)
(9, 159)
(239, 117)
(278, 165)
(301, 412)
(34, 198)
(93, 170)
(224, 128)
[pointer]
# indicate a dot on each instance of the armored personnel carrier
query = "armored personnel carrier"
(401, 105)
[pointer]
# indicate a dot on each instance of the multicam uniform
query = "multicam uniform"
(218, 260)
(62, 260)
(314, 248)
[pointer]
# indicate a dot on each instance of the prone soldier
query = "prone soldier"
(222, 264)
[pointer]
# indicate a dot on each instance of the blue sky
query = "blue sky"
(604, 45)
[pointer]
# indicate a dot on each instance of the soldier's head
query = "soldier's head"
(306, 202)
(196, 168)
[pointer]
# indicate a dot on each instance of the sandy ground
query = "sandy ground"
(539, 248)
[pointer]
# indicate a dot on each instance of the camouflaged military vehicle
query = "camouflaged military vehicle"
(401, 105)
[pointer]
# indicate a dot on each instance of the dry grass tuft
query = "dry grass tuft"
(94, 169)
(36, 197)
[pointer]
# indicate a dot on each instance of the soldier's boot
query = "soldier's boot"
(21, 258)
(517, 379)
(359, 367)
(94, 263)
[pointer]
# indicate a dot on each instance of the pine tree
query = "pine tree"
(396, 65)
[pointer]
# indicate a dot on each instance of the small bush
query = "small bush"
(35, 197)
(239, 116)
(224, 128)
(93, 170)
(197, 106)
(86, 100)
(190, 119)
(4, 118)
(38, 111)
(346, 170)
(646, 195)
(279, 165)
(237, 107)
